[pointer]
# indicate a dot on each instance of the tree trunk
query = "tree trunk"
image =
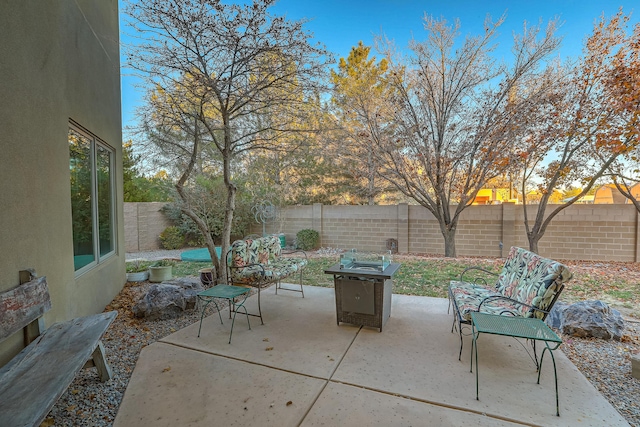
(534, 238)
(450, 243)
(231, 200)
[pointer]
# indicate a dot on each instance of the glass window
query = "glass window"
(91, 165)
(105, 197)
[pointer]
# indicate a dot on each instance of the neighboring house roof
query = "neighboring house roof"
(609, 194)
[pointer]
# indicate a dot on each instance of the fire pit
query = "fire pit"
(363, 286)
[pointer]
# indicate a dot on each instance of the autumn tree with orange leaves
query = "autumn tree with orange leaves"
(455, 114)
(587, 123)
(625, 86)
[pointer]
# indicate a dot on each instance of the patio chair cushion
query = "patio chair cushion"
(468, 297)
(531, 279)
(528, 280)
(258, 262)
(244, 252)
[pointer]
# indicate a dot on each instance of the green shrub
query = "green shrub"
(307, 239)
(172, 238)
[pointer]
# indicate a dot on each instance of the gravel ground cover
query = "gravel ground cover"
(606, 364)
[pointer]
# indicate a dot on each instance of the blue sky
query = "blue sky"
(340, 24)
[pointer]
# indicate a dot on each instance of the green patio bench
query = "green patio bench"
(258, 263)
(32, 382)
(528, 286)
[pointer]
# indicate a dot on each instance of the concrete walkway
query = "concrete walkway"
(301, 369)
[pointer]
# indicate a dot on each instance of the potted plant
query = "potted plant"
(161, 270)
(137, 271)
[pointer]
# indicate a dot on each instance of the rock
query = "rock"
(168, 299)
(587, 319)
(556, 315)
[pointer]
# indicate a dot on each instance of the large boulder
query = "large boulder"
(587, 319)
(168, 299)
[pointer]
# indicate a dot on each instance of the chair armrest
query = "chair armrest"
(293, 251)
(478, 279)
(515, 301)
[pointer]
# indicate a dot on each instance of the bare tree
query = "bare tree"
(583, 127)
(455, 114)
(234, 76)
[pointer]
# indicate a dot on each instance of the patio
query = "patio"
(300, 368)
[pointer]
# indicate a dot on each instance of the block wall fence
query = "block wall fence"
(580, 232)
(143, 223)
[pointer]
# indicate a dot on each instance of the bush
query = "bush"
(307, 239)
(172, 238)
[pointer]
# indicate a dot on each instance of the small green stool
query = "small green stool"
(229, 293)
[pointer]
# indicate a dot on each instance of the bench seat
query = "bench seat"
(259, 263)
(32, 382)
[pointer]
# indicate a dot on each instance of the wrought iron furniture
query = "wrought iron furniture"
(259, 263)
(527, 286)
(516, 327)
(230, 293)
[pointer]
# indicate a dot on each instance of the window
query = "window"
(91, 164)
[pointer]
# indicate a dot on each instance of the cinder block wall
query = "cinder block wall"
(580, 232)
(143, 223)
(589, 232)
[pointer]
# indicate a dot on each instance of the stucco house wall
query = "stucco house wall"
(60, 62)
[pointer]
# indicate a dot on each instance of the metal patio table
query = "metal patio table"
(516, 327)
(229, 293)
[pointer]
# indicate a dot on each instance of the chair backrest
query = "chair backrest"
(23, 305)
(262, 250)
(532, 279)
(243, 252)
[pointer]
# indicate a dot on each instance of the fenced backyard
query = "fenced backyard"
(604, 232)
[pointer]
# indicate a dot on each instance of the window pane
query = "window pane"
(80, 167)
(105, 196)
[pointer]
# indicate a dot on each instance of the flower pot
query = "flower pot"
(206, 276)
(159, 274)
(140, 276)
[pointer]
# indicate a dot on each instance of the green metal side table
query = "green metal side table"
(516, 327)
(229, 293)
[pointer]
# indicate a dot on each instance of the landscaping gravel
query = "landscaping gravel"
(88, 402)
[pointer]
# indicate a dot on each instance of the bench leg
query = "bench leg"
(100, 361)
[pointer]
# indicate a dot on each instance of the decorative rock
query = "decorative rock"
(587, 319)
(556, 315)
(168, 299)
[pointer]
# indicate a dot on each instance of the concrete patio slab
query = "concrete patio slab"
(346, 405)
(300, 368)
(300, 334)
(174, 386)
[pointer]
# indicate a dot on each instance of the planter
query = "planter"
(206, 276)
(160, 274)
(140, 276)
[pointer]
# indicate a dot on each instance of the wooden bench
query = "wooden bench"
(32, 382)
